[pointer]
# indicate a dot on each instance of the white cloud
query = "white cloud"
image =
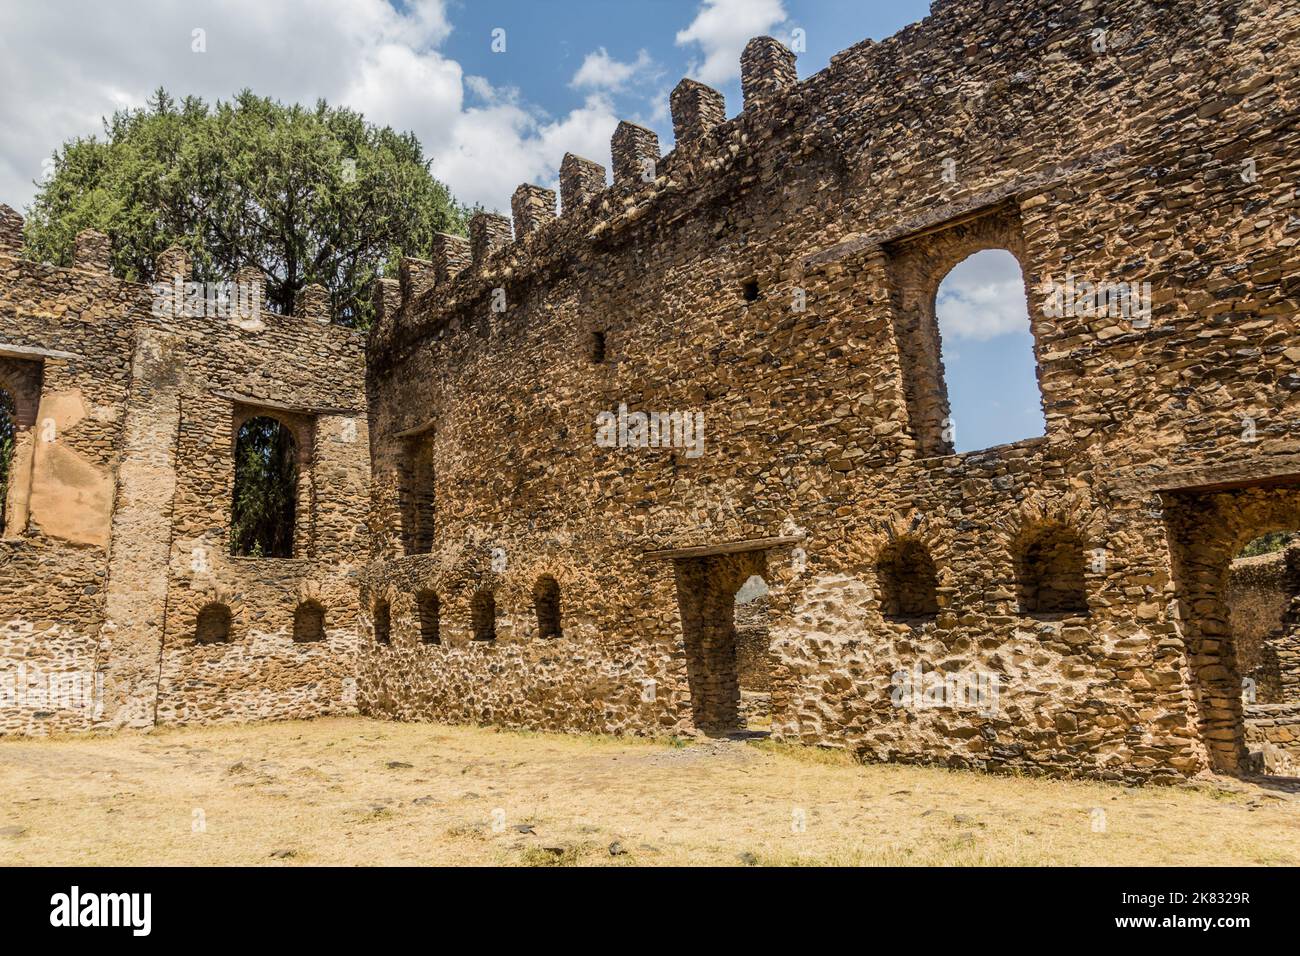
(600, 71)
(721, 29)
(983, 297)
(65, 66)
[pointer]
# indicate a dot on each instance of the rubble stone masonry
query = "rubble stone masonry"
(586, 433)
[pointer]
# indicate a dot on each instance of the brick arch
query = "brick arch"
(204, 602)
(918, 265)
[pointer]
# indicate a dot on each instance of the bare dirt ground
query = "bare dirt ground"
(354, 791)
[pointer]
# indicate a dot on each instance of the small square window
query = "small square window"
(750, 290)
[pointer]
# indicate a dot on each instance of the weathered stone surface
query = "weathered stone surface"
(1057, 605)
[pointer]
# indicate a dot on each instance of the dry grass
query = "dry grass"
(328, 792)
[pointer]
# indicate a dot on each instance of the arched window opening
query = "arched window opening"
(266, 490)
(212, 626)
(383, 622)
(309, 623)
(8, 437)
(429, 608)
(546, 600)
(1049, 575)
(908, 583)
(483, 616)
(987, 353)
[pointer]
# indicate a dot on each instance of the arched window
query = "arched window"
(429, 608)
(383, 622)
(309, 623)
(907, 579)
(266, 490)
(8, 436)
(1049, 573)
(212, 626)
(546, 599)
(987, 349)
(483, 616)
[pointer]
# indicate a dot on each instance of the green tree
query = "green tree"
(306, 195)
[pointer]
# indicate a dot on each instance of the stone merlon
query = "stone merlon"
(635, 151)
(92, 251)
(766, 68)
(532, 207)
(450, 256)
(696, 109)
(488, 233)
(581, 180)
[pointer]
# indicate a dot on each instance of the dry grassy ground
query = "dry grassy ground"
(353, 791)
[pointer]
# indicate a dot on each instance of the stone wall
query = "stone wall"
(575, 440)
(118, 513)
(1273, 736)
(775, 274)
(1260, 591)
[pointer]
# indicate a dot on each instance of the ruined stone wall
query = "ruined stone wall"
(117, 523)
(777, 275)
(1259, 595)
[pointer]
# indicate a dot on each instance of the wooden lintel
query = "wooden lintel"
(729, 547)
(283, 406)
(415, 430)
(1221, 476)
(31, 351)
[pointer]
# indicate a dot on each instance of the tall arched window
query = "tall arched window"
(266, 490)
(8, 436)
(212, 626)
(987, 349)
(546, 599)
(483, 615)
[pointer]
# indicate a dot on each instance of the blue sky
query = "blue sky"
(571, 69)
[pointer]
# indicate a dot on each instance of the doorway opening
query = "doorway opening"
(1237, 578)
(723, 603)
